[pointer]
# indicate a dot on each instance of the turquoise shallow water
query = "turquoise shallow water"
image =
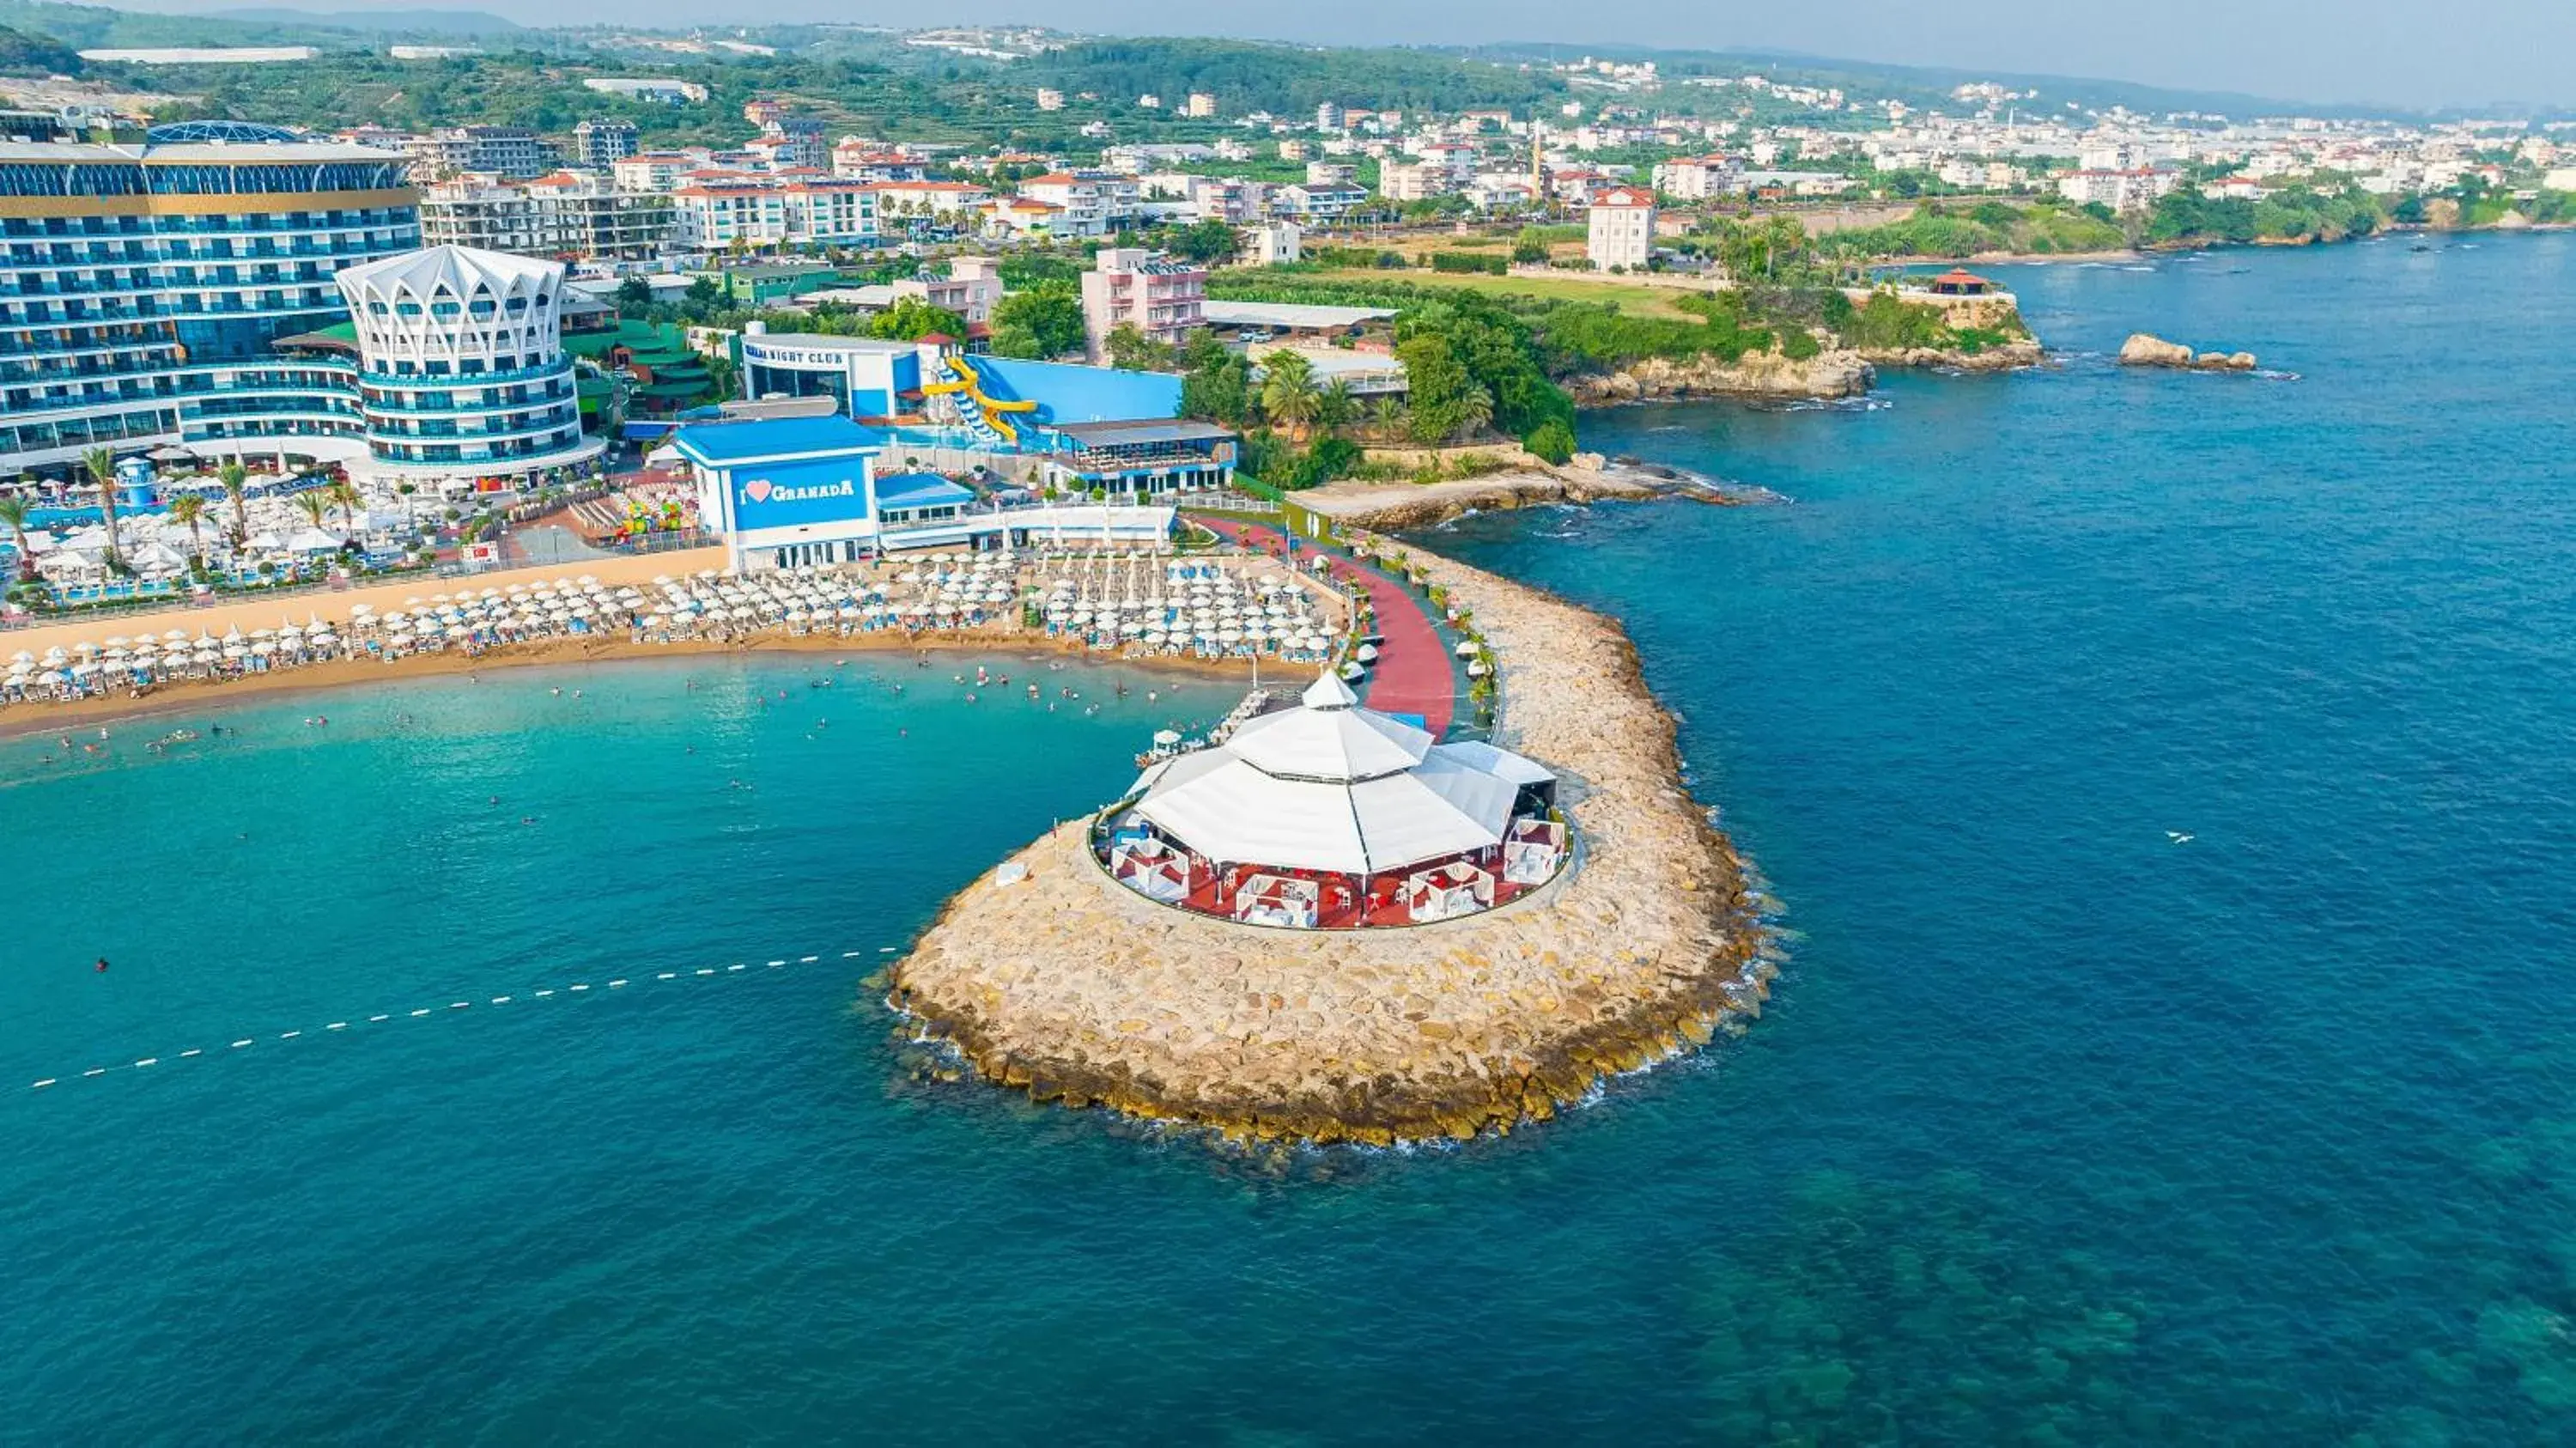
(2056, 1131)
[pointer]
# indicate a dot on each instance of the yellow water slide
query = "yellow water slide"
(963, 378)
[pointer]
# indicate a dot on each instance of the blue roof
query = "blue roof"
(1070, 392)
(919, 490)
(726, 444)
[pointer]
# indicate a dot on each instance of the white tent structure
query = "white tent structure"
(1330, 786)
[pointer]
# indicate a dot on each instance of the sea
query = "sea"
(2168, 783)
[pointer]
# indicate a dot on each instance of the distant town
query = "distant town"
(911, 230)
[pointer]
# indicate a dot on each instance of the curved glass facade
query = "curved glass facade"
(131, 276)
(527, 414)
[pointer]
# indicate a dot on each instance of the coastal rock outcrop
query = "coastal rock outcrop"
(2002, 357)
(1048, 977)
(1392, 507)
(2145, 349)
(1836, 373)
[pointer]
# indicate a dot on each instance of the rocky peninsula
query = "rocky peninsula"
(1048, 977)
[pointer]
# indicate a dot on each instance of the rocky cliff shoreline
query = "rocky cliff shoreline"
(1834, 373)
(1756, 374)
(1047, 977)
(1589, 478)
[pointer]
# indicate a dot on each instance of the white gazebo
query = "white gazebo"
(1341, 793)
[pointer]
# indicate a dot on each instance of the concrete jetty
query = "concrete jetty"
(1051, 978)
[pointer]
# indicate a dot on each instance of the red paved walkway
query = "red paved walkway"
(1412, 674)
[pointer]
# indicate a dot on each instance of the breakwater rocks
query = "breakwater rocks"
(2145, 349)
(1050, 978)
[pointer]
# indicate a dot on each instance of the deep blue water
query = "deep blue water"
(2056, 1131)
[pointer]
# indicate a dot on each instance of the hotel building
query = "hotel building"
(461, 367)
(1620, 229)
(143, 287)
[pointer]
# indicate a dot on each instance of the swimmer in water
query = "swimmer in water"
(102, 966)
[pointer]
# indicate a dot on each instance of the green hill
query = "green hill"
(25, 54)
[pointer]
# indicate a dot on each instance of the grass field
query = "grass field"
(1634, 298)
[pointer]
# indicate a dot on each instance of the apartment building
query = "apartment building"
(755, 213)
(1697, 178)
(513, 153)
(599, 145)
(577, 217)
(1156, 294)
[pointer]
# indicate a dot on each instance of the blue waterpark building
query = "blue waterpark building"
(1071, 429)
(803, 492)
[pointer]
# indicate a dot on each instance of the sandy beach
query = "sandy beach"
(250, 613)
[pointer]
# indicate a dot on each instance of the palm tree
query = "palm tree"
(1386, 417)
(100, 464)
(1288, 392)
(1335, 408)
(345, 496)
(13, 511)
(190, 509)
(236, 482)
(314, 504)
(1475, 409)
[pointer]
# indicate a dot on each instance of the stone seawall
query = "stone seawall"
(1066, 985)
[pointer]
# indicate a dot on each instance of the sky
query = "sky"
(2418, 53)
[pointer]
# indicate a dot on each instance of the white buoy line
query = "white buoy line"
(244, 1043)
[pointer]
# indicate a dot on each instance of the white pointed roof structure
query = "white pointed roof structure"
(1329, 737)
(1332, 786)
(458, 271)
(460, 307)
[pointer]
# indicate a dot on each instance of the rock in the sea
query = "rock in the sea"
(2147, 350)
(2144, 350)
